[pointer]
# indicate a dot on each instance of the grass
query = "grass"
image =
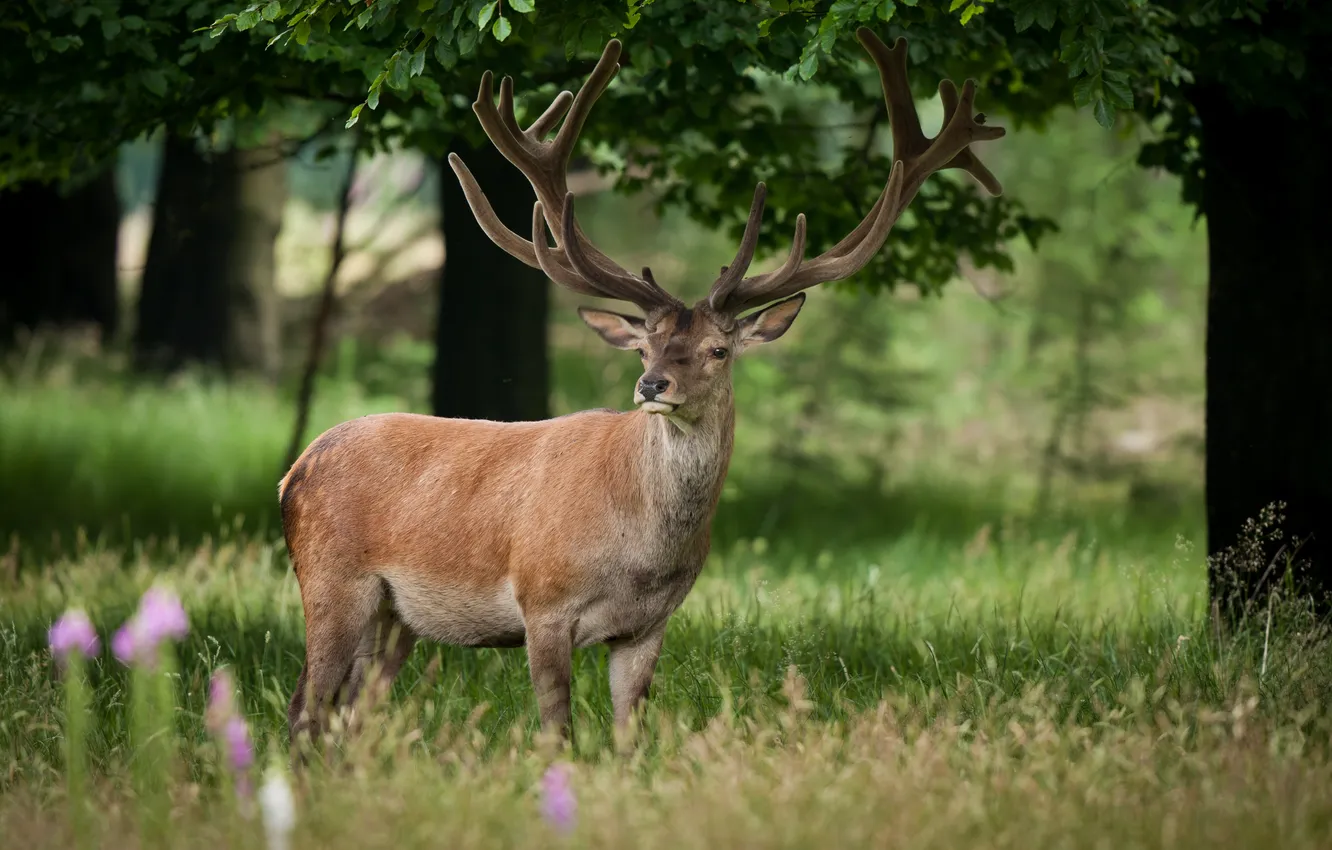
(1014, 691)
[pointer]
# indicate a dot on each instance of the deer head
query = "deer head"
(687, 351)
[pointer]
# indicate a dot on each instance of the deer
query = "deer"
(585, 529)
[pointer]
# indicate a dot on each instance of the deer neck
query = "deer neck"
(683, 465)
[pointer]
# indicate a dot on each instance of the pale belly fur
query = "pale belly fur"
(616, 603)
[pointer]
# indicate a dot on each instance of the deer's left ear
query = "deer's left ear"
(770, 322)
(620, 331)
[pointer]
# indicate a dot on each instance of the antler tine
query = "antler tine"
(606, 69)
(773, 280)
(540, 128)
(916, 158)
(966, 159)
(744, 255)
(545, 165)
(554, 263)
(625, 286)
(512, 244)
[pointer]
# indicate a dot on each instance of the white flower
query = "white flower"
(278, 808)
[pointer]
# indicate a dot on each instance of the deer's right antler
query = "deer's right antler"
(576, 263)
(916, 158)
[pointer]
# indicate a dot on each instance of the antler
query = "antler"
(916, 159)
(576, 263)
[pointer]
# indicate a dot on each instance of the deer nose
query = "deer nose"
(653, 387)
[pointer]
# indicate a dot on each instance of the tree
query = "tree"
(208, 292)
(490, 341)
(59, 244)
(79, 79)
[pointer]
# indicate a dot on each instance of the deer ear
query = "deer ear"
(620, 331)
(770, 322)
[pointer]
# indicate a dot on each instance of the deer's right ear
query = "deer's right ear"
(620, 331)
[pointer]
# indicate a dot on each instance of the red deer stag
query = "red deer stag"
(588, 528)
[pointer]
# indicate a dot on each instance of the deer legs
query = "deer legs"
(550, 657)
(633, 661)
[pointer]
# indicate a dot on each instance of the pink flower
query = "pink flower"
(230, 729)
(558, 805)
(240, 750)
(160, 616)
(73, 632)
(221, 703)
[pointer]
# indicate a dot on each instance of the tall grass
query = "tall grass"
(1014, 691)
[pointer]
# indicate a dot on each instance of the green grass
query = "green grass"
(946, 683)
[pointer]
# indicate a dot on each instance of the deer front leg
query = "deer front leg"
(633, 661)
(550, 657)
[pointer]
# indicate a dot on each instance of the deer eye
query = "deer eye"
(642, 353)
(719, 353)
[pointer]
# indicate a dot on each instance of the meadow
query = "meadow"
(957, 594)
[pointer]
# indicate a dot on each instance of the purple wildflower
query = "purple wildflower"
(240, 750)
(160, 616)
(73, 632)
(558, 805)
(221, 703)
(230, 729)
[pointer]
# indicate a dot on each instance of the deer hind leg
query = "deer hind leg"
(386, 642)
(337, 615)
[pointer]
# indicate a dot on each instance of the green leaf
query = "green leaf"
(1085, 89)
(971, 12)
(155, 81)
(272, 10)
(418, 62)
(1104, 113)
(467, 39)
(1047, 14)
(110, 28)
(487, 12)
(355, 116)
(446, 54)
(398, 70)
(886, 10)
(502, 28)
(303, 32)
(956, 4)
(247, 20)
(132, 22)
(527, 7)
(809, 64)
(1117, 90)
(1025, 17)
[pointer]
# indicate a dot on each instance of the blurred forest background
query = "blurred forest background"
(1066, 393)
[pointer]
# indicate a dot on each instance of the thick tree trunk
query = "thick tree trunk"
(208, 293)
(490, 360)
(60, 257)
(1269, 346)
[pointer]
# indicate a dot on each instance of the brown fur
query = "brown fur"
(584, 529)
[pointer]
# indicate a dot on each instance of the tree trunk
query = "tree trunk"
(1269, 350)
(60, 257)
(490, 357)
(208, 293)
